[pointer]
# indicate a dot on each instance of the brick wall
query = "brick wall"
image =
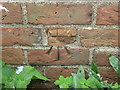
(56, 37)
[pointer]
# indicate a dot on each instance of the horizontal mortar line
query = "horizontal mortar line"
(62, 36)
(63, 66)
(67, 2)
(21, 25)
(74, 66)
(82, 26)
(46, 26)
(55, 47)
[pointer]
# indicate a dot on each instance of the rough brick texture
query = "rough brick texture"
(101, 57)
(109, 74)
(20, 36)
(73, 56)
(54, 73)
(14, 15)
(56, 36)
(59, 14)
(108, 15)
(61, 36)
(13, 56)
(99, 37)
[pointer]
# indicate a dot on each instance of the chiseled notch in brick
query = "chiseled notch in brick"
(14, 15)
(54, 73)
(108, 15)
(74, 57)
(60, 36)
(12, 56)
(59, 14)
(101, 57)
(99, 37)
(20, 36)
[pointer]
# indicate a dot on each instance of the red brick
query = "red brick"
(61, 31)
(20, 36)
(54, 73)
(12, 56)
(99, 37)
(60, 36)
(107, 15)
(59, 14)
(60, 41)
(101, 57)
(75, 56)
(14, 15)
(109, 74)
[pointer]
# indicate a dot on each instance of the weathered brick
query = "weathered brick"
(54, 73)
(61, 31)
(12, 56)
(14, 15)
(108, 15)
(21, 36)
(60, 41)
(99, 37)
(101, 57)
(59, 14)
(109, 74)
(73, 56)
(60, 36)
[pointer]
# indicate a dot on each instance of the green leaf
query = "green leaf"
(83, 81)
(94, 67)
(93, 83)
(11, 79)
(64, 82)
(57, 82)
(76, 81)
(64, 86)
(69, 80)
(84, 86)
(22, 84)
(1, 64)
(7, 72)
(81, 72)
(29, 72)
(61, 78)
(91, 73)
(105, 84)
(115, 63)
(115, 86)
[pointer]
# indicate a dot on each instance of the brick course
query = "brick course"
(75, 56)
(59, 14)
(20, 36)
(108, 15)
(14, 15)
(99, 37)
(54, 73)
(12, 56)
